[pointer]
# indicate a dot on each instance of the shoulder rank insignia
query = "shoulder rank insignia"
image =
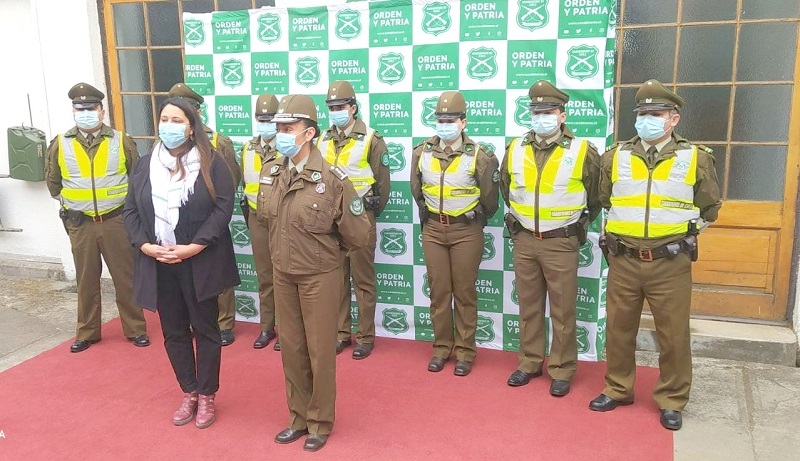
(469, 148)
(359, 136)
(339, 172)
(316, 176)
(612, 147)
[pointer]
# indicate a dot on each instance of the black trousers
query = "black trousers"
(178, 309)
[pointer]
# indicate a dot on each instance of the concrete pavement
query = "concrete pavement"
(738, 410)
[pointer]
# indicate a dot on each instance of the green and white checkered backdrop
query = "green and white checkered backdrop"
(400, 55)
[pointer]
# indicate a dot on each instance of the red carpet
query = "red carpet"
(115, 402)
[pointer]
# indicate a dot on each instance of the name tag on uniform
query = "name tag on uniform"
(267, 180)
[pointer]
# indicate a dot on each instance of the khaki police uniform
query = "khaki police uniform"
(452, 221)
(359, 151)
(88, 172)
(684, 178)
(258, 156)
(311, 216)
(224, 147)
(548, 184)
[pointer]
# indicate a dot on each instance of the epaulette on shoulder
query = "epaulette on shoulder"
(487, 149)
(591, 144)
(421, 143)
(339, 172)
(707, 149)
(611, 148)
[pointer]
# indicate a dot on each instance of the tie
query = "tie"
(652, 152)
(448, 150)
(90, 138)
(292, 175)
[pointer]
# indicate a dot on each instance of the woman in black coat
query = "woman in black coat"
(179, 204)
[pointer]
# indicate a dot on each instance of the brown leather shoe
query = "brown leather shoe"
(362, 351)
(264, 339)
(205, 411)
(188, 407)
(436, 364)
(81, 345)
(314, 442)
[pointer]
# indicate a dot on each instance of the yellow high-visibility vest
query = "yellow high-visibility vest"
(652, 204)
(214, 138)
(251, 172)
(550, 199)
(95, 185)
(454, 191)
(353, 159)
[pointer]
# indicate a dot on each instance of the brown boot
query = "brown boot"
(185, 413)
(205, 411)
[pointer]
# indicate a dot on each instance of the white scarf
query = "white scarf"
(170, 192)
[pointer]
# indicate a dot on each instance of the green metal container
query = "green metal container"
(26, 151)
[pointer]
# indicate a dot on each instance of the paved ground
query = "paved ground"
(739, 410)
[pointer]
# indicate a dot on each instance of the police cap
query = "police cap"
(340, 92)
(451, 104)
(294, 107)
(544, 96)
(180, 90)
(652, 95)
(85, 96)
(266, 107)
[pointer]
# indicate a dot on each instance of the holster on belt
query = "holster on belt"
(583, 226)
(512, 225)
(72, 218)
(423, 214)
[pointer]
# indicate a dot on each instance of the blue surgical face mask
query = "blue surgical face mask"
(544, 124)
(285, 143)
(650, 127)
(266, 129)
(447, 131)
(339, 117)
(87, 119)
(172, 134)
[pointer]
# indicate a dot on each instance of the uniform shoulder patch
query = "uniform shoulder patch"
(385, 159)
(339, 172)
(496, 176)
(356, 206)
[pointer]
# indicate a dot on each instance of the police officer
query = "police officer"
(659, 189)
(258, 156)
(454, 182)
(549, 182)
(87, 170)
(223, 146)
(359, 151)
(313, 212)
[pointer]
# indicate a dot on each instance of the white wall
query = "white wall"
(48, 46)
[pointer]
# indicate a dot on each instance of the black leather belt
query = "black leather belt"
(561, 232)
(446, 219)
(105, 217)
(669, 250)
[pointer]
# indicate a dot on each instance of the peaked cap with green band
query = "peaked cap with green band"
(294, 107)
(545, 96)
(452, 104)
(181, 90)
(85, 96)
(652, 95)
(340, 92)
(266, 107)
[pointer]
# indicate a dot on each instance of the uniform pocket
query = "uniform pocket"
(315, 215)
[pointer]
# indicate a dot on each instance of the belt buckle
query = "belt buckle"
(645, 255)
(444, 219)
(537, 235)
(97, 219)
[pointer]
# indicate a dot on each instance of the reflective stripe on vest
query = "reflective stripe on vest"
(251, 169)
(655, 204)
(453, 191)
(96, 185)
(353, 159)
(556, 197)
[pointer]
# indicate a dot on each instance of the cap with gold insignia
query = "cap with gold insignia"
(652, 95)
(266, 107)
(294, 107)
(181, 90)
(340, 92)
(85, 96)
(544, 96)
(451, 105)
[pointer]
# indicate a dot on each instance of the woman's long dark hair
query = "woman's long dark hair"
(199, 139)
